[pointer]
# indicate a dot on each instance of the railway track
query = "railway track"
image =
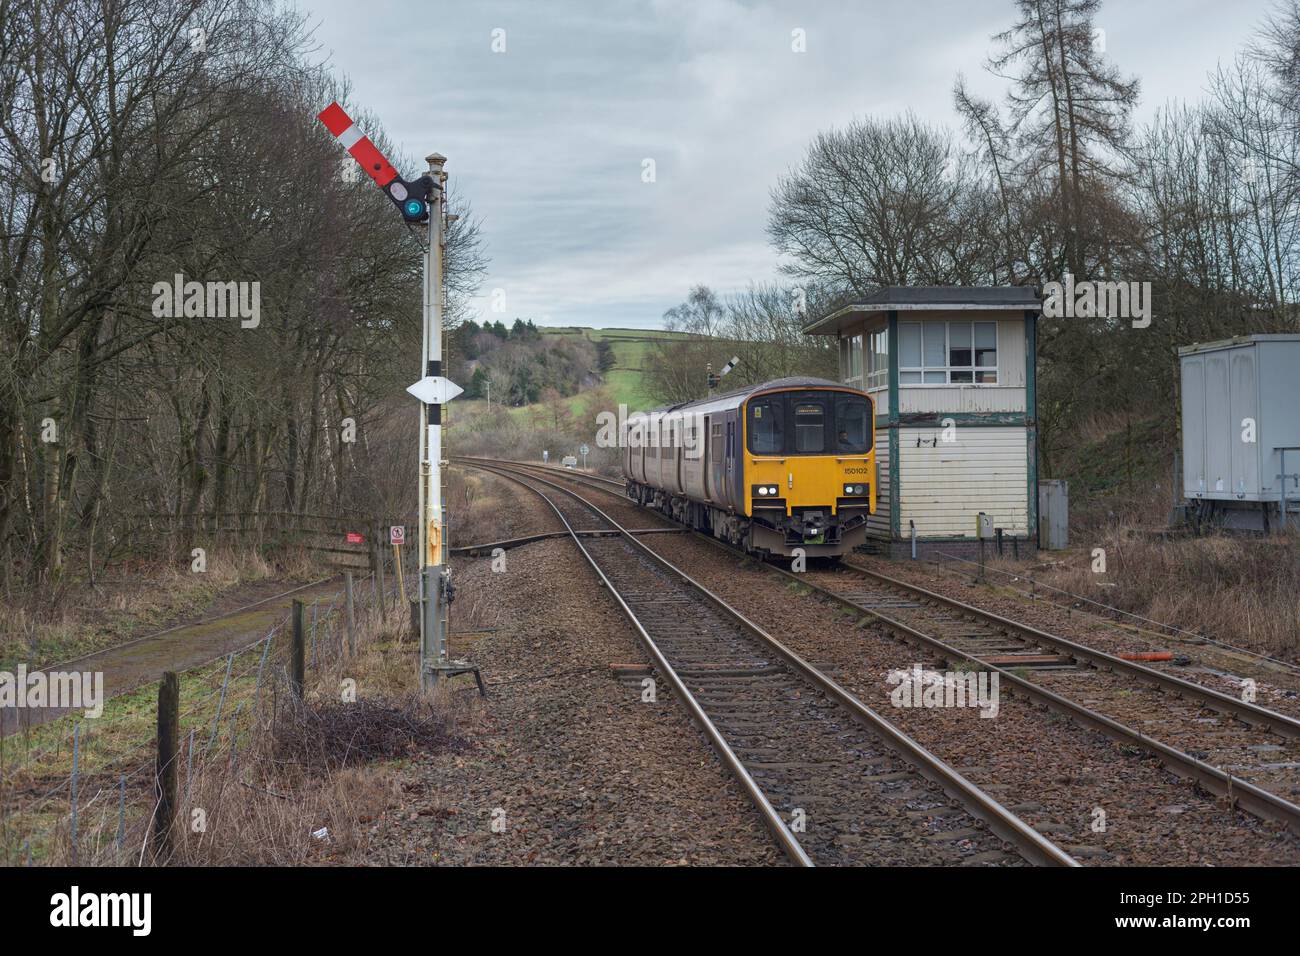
(1234, 749)
(835, 783)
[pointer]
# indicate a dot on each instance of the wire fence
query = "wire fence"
(89, 790)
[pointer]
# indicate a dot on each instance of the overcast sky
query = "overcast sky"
(548, 139)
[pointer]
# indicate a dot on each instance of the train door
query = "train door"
(729, 469)
(680, 453)
(718, 452)
(706, 463)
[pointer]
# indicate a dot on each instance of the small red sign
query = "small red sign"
(397, 534)
(355, 538)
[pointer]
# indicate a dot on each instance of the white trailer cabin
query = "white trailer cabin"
(952, 372)
(1241, 430)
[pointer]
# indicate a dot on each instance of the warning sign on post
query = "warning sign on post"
(397, 534)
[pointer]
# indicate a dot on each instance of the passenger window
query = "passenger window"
(809, 427)
(852, 432)
(766, 427)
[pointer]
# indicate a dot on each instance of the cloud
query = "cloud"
(547, 139)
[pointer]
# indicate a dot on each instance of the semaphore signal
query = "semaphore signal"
(421, 201)
(412, 198)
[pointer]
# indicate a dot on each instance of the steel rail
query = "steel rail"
(1280, 724)
(1031, 844)
(771, 818)
(1249, 797)
(1256, 800)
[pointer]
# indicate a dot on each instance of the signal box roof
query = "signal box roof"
(1236, 342)
(934, 298)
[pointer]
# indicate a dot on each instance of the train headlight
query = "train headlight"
(848, 489)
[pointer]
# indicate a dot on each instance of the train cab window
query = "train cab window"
(809, 427)
(767, 426)
(852, 429)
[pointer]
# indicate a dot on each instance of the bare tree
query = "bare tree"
(878, 203)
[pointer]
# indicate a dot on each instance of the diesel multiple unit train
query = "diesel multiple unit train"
(770, 468)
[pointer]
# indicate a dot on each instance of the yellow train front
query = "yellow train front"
(772, 467)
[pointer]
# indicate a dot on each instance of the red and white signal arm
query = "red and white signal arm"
(397, 534)
(412, 198)
(358, 145)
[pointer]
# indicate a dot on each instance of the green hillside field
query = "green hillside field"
(625, 380)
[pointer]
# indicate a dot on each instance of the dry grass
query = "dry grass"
(280, 772)
(1240, 588)
(1237, 589)
(478, 505)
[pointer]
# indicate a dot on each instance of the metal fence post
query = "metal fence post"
(169, 701)
(298, 659)
(76, 766)
(221, 701)
(234, 740)
(257, 690)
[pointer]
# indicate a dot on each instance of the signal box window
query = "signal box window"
(878, 354)
(767, 427)
(948, 353)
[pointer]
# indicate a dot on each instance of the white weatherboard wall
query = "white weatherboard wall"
(878, 523)
(943, 486)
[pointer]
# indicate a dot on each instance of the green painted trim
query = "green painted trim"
(960, 539)
(994, 419)
(1031, 413)
(895, 519)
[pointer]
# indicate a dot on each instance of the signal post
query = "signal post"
(421, 201)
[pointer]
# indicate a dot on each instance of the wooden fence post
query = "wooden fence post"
(351, 616)
(298, 656)
(169, 705)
